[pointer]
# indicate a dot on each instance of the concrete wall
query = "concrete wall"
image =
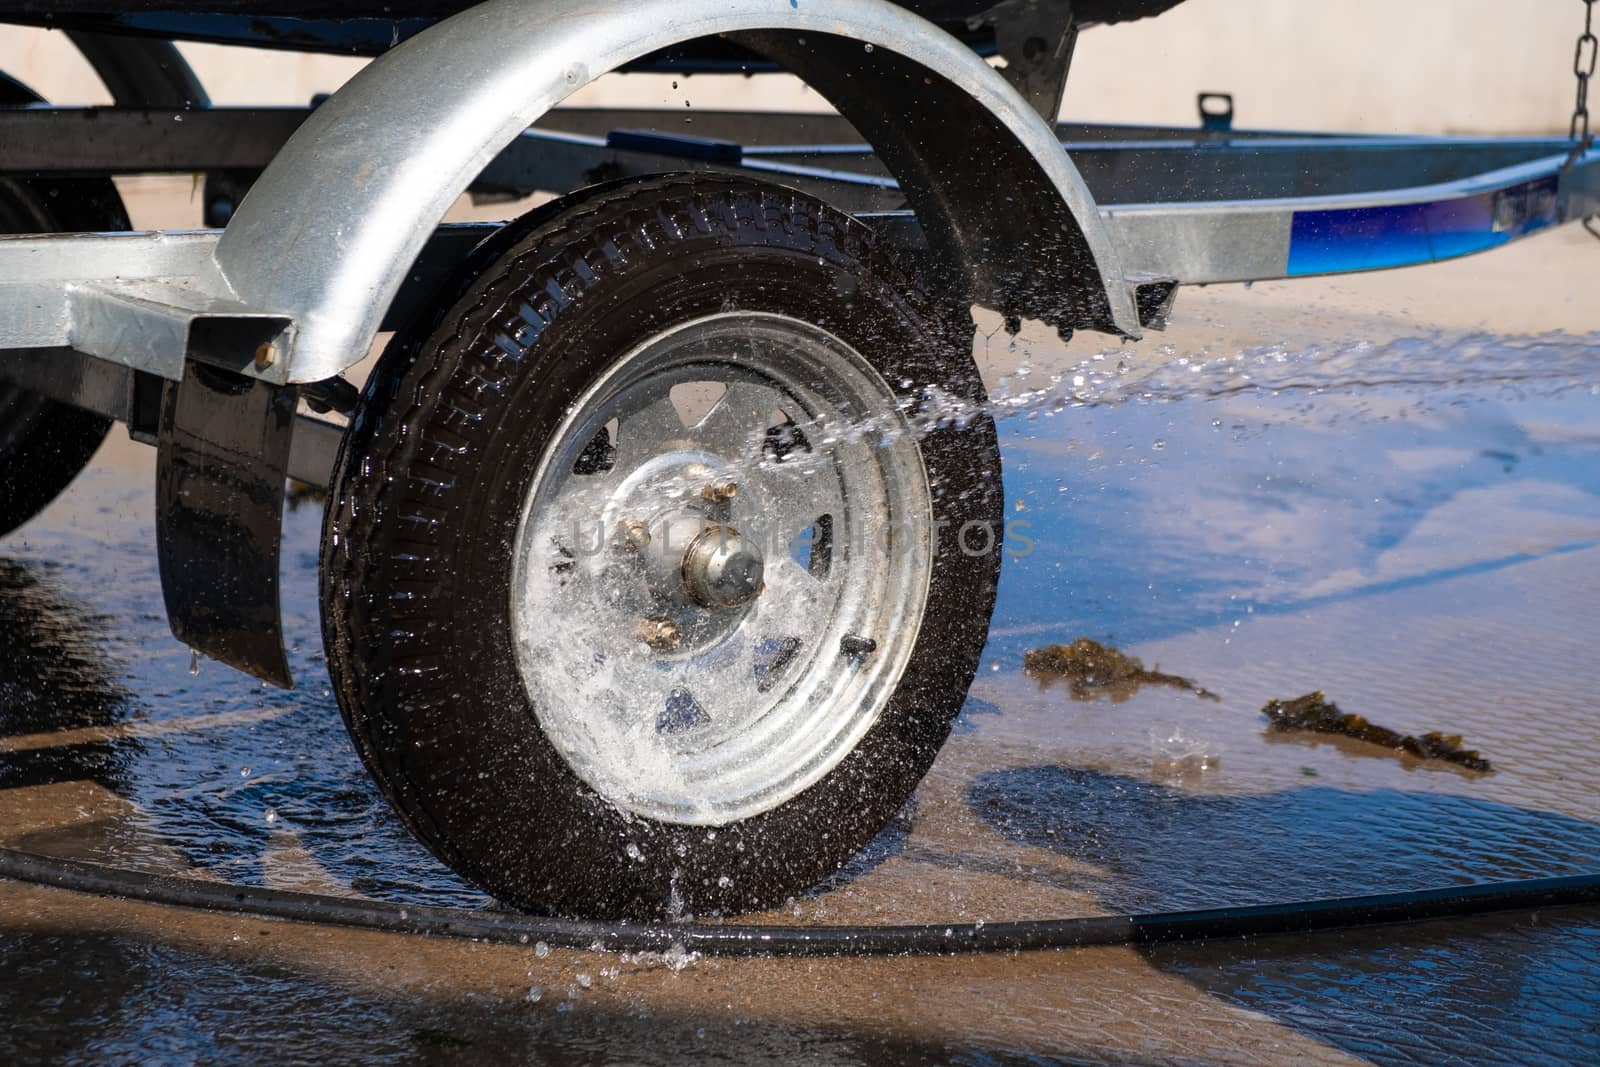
(1427, 66)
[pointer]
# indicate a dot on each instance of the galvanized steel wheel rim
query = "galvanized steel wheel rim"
(683, 713)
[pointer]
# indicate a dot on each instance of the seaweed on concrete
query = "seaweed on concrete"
(1090, 669)
(1315, 713)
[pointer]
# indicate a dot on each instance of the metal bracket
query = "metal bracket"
(1216, 111)
(223, 454)
(1037, 38)
(154, 325)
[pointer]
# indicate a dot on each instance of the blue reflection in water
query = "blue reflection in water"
(1249, 508)
(1157, 848)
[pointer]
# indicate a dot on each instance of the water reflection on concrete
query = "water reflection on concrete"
(57, 680)
(99, 999)
(1161, 848)
(1479, 991)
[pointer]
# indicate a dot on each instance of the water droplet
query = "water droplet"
(677, 957)
(194, 662)
(541, 950)
(585, 981)
(1158, 444)
(633, 853)
(271, 816)
(868, 47)
(244, 772)
(535, 994)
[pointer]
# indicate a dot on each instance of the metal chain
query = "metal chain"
(1583, 61)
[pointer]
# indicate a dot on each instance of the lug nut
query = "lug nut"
(720, 492)
(662, 635)
(632, 535)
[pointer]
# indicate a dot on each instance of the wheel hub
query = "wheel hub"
(674, 516)
(722, 568)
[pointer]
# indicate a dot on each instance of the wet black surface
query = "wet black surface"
(217, 795)
(94, 999)
(55, 677)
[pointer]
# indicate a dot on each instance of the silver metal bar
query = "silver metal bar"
(42, 140)
(38, 273)
(126, 140)
(154, 325)
(1252, 240)
(1141, 166)
(149, 301)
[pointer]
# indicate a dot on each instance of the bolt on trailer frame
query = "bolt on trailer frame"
(327, 220)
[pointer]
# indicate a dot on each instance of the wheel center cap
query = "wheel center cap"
(722, 568)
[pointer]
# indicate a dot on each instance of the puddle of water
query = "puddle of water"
(1438, 990)
(128, 1013)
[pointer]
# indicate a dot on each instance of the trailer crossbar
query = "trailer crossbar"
(152, 301)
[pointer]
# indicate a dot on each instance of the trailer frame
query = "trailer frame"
(940, 182)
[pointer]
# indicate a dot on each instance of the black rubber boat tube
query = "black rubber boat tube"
(733, 939)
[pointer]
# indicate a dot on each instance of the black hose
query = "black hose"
(732, 939)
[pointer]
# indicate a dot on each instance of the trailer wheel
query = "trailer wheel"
(647, 583)
(43, 444)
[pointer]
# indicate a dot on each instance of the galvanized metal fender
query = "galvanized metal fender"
(333, 225)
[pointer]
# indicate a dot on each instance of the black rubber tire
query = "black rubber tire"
(44, 445)
(426, 498)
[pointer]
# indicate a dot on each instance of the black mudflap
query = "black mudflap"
(223, 454)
